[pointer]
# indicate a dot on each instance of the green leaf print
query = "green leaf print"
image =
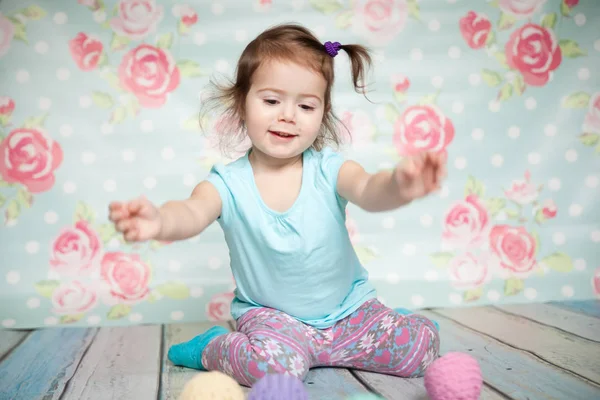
(20, 32)
(413, 9)
(190, 69)
(559, 262)
(119, 311)
(2, 200)
(473, 294)
(34, 12)
(165, 41)
(513, 286)
(69, 319)
(182, 28)
(576, 100)
(107, 232)
(441, 259)
(506, 21)
(35, 122)
(495, 205)
(365, 254)
(501, 57)
(391, 113)
(46, 288)
(118, 115)
(344, 19)
(173, 290)
(512, 214)
(589, 139)
(474, 186)
(536, 238)
(118, 42)
(113, 80)
(24, 198)
(490, 77)
(491, 39)
(505, 92)
(326, 6)
(12, 211)
(103, 100)
(549, 21)
(428, 99)
(564, 9)
(519, 85)
(571, 49)
(84, 213)
(400, 97)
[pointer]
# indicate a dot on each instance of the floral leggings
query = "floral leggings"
(373, 338)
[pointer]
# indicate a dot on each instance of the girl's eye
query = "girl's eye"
(271, 102)
(307, 108)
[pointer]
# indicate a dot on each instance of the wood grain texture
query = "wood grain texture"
(577, 324)
(9, 339)
(572, 353)
(332, 383)
(41, 366)
(516, 374)
(121, 363)
(587, 307)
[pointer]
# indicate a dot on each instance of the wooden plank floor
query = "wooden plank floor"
(532, 351)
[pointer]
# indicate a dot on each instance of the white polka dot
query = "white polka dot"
(44, 103)
(477, 134)
(381, 300)
(550, 130)
(530, 293)
(530, 103)
(87, 157)
(53, 276)
(431, 275)
(50, 321)
(474, 79)
(493, 295)
(514, 132)
(388, 223)
(559, 238)
(241, 35)
(107, 128)
(66, 130)
(189, 180)
(385, 165)
(458, 107)
(567, 291)
(444, 192)
(147, 126)
(63, 74)
(597, 45)
(110, 185)
(393, 278)
(222, 66)
(8, 323)
(595, 236)
(579, 264)
(199, 38)
(11, 222)
(460, 163)
(32, 247)
(168, 153)
(434, 25)
(417, 300)
(197, 292)
(592, 181)
(409, 249)
(150, 182)
(579, 19)
(33, 302)
(41, 47)
(50, 217)
(534, 158)
(113, 243)
(571, 155)
(93, 320)
(416, 54)
(454, 52)
(85, 101)
(128, 155)
(297, 5)
(99, 16)
(135, 317)
(426, 220)
(583, 74)
(69, 187)
(177, 315)
(437, 81)
(214, 263)
(494, 106)
(217, 8)
(554, 184)
(575, 210)
(13, 277)
(455, 298)
(22, 76)
(174, 266)
(60, 18)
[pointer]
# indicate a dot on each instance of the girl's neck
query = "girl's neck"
(263, 162)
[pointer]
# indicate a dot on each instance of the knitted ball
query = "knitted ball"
(278, 386)
(212, 385)
(454, 376)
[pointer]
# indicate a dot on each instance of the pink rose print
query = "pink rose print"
(76, 251)
(466, 224)
(219, 307)
(400, 83)
(7, 106)
(126, 275)
(521, 8)
(29, 157)
(422, 128)
(571, 3)
(514, 249)
(150, 74)
(523, 191)
(596, 282)
(7, 31)
(549, 209)
(468, 272)
(591, 122)
(534, 51)
(186, 14)
(73, 298)
(86, 51)
(361, 128)
(136, 18)
(475, 29)
(379, 20)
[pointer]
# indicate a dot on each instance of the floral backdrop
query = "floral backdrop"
(99, 101)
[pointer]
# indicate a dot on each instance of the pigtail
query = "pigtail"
(361, 62)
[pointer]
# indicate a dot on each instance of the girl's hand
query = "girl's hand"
(420, 175)
(139, 219)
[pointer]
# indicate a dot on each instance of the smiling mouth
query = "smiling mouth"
(282, 134)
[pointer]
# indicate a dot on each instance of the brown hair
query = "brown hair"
(286, 42)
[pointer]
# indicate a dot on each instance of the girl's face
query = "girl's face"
(284, 108)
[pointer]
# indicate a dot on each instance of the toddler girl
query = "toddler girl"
(302, 298)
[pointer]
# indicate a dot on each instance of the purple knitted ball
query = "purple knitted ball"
(278, 386)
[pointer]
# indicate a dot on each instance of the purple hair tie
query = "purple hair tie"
(332, 48)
